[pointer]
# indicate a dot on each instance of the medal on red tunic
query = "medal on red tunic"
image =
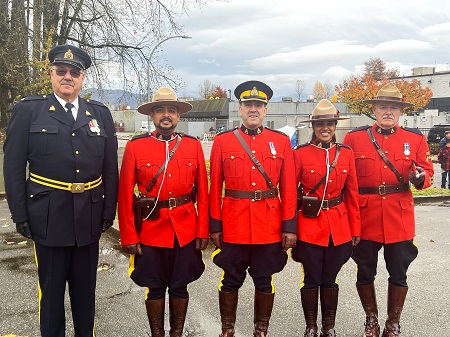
(406, 149)
(272, 148)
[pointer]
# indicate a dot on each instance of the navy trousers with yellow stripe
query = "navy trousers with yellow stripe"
(76, 266)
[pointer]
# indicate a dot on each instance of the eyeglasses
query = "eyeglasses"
(63, 71)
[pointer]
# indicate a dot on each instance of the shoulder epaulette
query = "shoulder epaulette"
(91, 101)
(226, 131)
(413, 130)
(299, 146)
(361, 128)
(278, 131)
(186, 135)
(344, 145)
(144, 135)
(33, 98)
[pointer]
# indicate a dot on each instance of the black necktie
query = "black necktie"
(69, 107)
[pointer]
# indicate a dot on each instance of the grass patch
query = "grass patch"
(430, 191)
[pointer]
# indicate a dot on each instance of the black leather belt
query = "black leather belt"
(327, 203)
(384, 189)
(254, 195)
(174, 202)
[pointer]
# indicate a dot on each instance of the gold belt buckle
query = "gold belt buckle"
(382, 189)
(325, 204)
(258, 195)
(77, 188)
(172, 203)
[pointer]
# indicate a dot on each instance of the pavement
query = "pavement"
(120, 303)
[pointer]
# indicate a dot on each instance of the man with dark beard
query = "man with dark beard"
(167, 168)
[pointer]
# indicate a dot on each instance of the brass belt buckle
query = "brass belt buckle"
(325, 204)
(382, 189)
(172, 203)
(77, 188)
(258, 195)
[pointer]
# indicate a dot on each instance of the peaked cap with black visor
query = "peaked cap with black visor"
(69, 55)
(253, 91)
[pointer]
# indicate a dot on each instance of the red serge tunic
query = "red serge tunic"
(248, 221)
(142, 159)
(388, 218)
(342, 221)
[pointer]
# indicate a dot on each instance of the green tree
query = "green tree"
(119, 36)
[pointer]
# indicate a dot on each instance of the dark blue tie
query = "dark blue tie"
(69, 107)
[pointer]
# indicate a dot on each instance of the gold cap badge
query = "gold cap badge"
(68, 55)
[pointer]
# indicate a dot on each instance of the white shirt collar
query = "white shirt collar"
(63, 104)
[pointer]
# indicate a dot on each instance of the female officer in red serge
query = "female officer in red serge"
(250, 225)
(166, 252)
(326, 233)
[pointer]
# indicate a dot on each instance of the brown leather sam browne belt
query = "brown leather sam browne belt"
(384, 189)
(255, 195)
(328, 203)
(174, 202)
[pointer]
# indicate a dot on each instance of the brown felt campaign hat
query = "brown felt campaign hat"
(164, 96)
(389, 94)
(324, 111)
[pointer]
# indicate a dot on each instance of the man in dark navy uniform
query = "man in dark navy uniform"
(70, 195)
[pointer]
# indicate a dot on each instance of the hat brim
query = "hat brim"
(74, 63)
(254, 98)
(146, 108)
(372, 101)
(324, 119)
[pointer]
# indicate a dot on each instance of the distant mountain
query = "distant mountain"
(115, 99)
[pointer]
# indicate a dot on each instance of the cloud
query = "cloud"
(233, 41)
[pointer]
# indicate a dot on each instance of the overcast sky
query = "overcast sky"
(282, 41)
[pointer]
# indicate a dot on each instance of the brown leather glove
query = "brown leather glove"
(217, 239)
(417, 178)
(288, 240)
(201, 244)
(355, 240)
(133, 249)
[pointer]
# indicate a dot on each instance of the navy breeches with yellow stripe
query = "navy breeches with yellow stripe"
(262, 261)
(78, 267)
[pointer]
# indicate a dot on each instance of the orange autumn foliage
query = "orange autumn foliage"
(355, 90)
